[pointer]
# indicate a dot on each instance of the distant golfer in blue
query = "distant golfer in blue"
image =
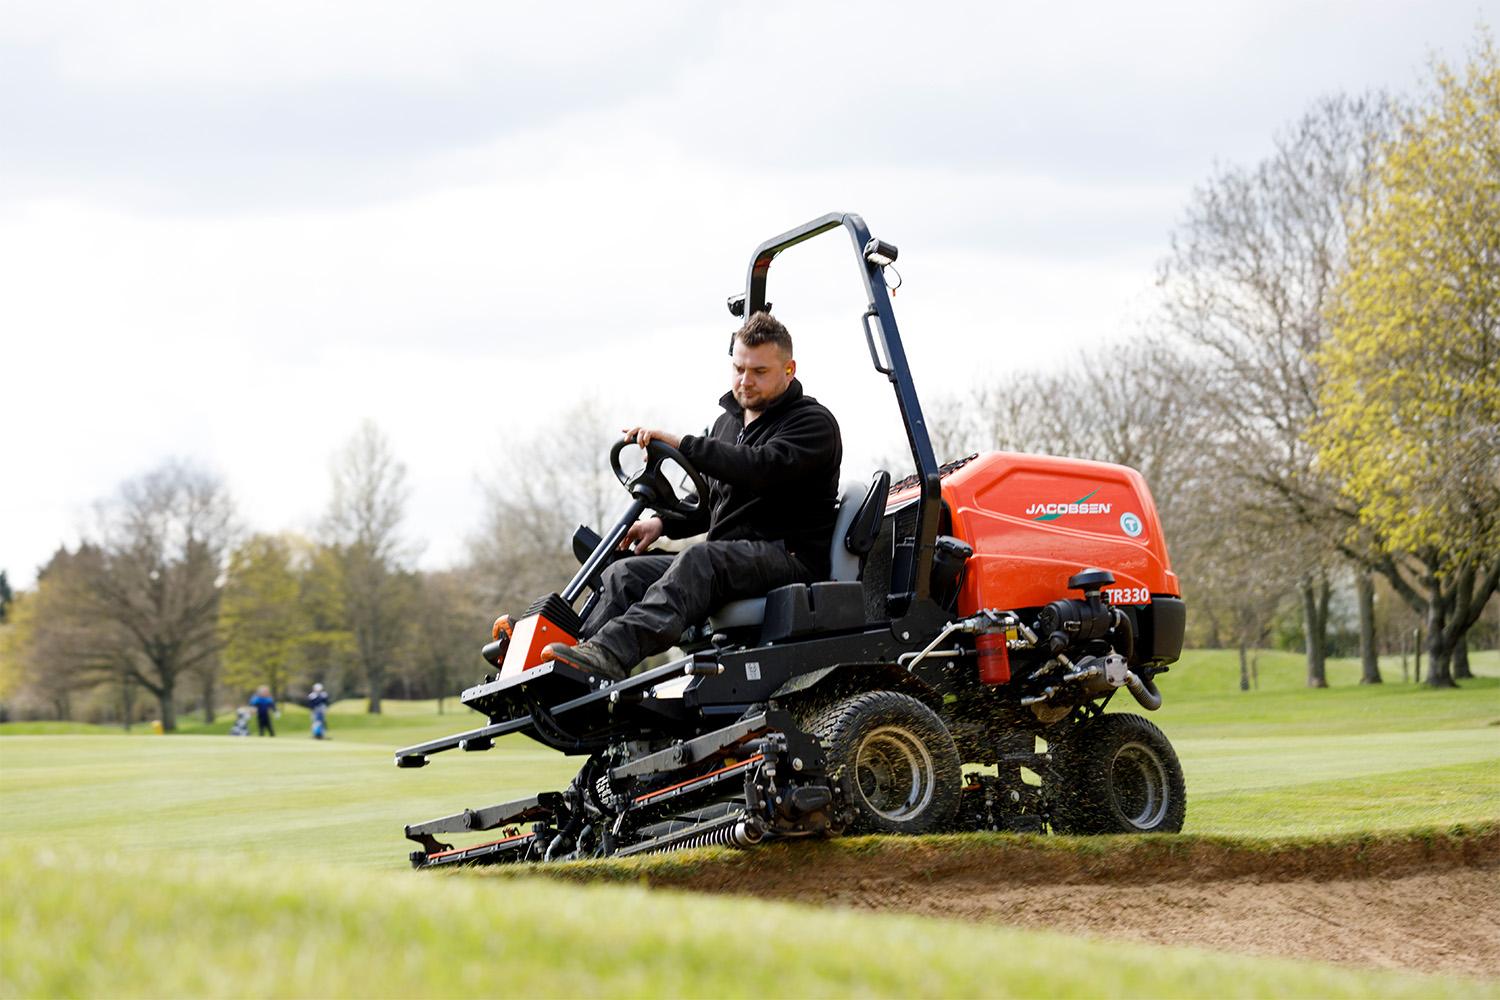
(318, 702)
(264, 705)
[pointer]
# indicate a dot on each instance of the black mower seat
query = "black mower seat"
(860, 506)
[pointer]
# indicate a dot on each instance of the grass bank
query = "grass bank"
(204, 927)
(1023, 859)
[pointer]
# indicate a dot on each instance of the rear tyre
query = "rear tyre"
(902, 765)
(1118, 774)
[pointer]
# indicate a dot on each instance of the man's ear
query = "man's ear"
(791, 367)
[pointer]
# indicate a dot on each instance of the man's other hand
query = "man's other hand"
(642, 535)
(645, 435)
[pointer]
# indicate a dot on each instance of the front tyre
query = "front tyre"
(1118, 774)
(899, 757)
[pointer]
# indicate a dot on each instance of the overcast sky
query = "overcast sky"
(230, 232)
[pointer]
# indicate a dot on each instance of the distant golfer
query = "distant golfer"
(318, 702)
(264, 705)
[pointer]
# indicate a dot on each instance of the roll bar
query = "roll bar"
(889, 358)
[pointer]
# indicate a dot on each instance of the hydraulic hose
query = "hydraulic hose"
(1122, 624)
(554, 734)
(1144, 690)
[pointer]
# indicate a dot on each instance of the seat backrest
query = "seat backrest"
(853, 497)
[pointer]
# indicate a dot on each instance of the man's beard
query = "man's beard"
(762, 402)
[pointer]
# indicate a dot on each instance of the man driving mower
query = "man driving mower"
(772, 464)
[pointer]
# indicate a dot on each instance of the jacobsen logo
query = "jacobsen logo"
(1053, 511)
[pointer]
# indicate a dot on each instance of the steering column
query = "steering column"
(650, 487)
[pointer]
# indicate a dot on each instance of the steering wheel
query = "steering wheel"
(652, 485)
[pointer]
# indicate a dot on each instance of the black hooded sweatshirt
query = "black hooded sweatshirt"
(775, 479)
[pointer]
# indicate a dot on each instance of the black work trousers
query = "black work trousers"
(648, 601)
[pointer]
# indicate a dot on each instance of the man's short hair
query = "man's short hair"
(763, 328)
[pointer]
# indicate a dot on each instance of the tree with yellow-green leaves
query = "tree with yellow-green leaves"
(261, 618)
(1411, 373)
(15, 638)
(52, 646)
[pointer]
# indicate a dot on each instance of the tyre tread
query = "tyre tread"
(1084, 803)
(838, 722)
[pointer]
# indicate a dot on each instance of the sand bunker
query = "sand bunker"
(1427, 904)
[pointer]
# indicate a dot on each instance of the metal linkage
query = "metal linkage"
(513, 848)
(691, 751)
(1094, 676)
(697, 784)
(986, 621)
(416, 756)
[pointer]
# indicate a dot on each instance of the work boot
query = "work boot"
(588, 657)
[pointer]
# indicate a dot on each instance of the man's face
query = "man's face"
(761, 375)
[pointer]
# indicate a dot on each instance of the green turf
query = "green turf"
(1201, 699)
(56, 729)
(1287, 760)
(1459, 793)
(273, 797)
(207, 927)
(349, 719)
(206, 865)
(1210, 671)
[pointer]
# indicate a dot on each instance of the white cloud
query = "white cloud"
(289, 44)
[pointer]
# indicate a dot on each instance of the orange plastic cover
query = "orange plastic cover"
(1035, 520)
(528, 638)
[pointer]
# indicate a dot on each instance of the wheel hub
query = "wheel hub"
(1138, 779)
(894, 773)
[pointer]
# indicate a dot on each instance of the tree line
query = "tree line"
(1317, 402)
(170, 603)
(1316, 406)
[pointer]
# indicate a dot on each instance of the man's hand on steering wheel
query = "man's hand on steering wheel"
(645, 435)
(651, 486)
(642, 535)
